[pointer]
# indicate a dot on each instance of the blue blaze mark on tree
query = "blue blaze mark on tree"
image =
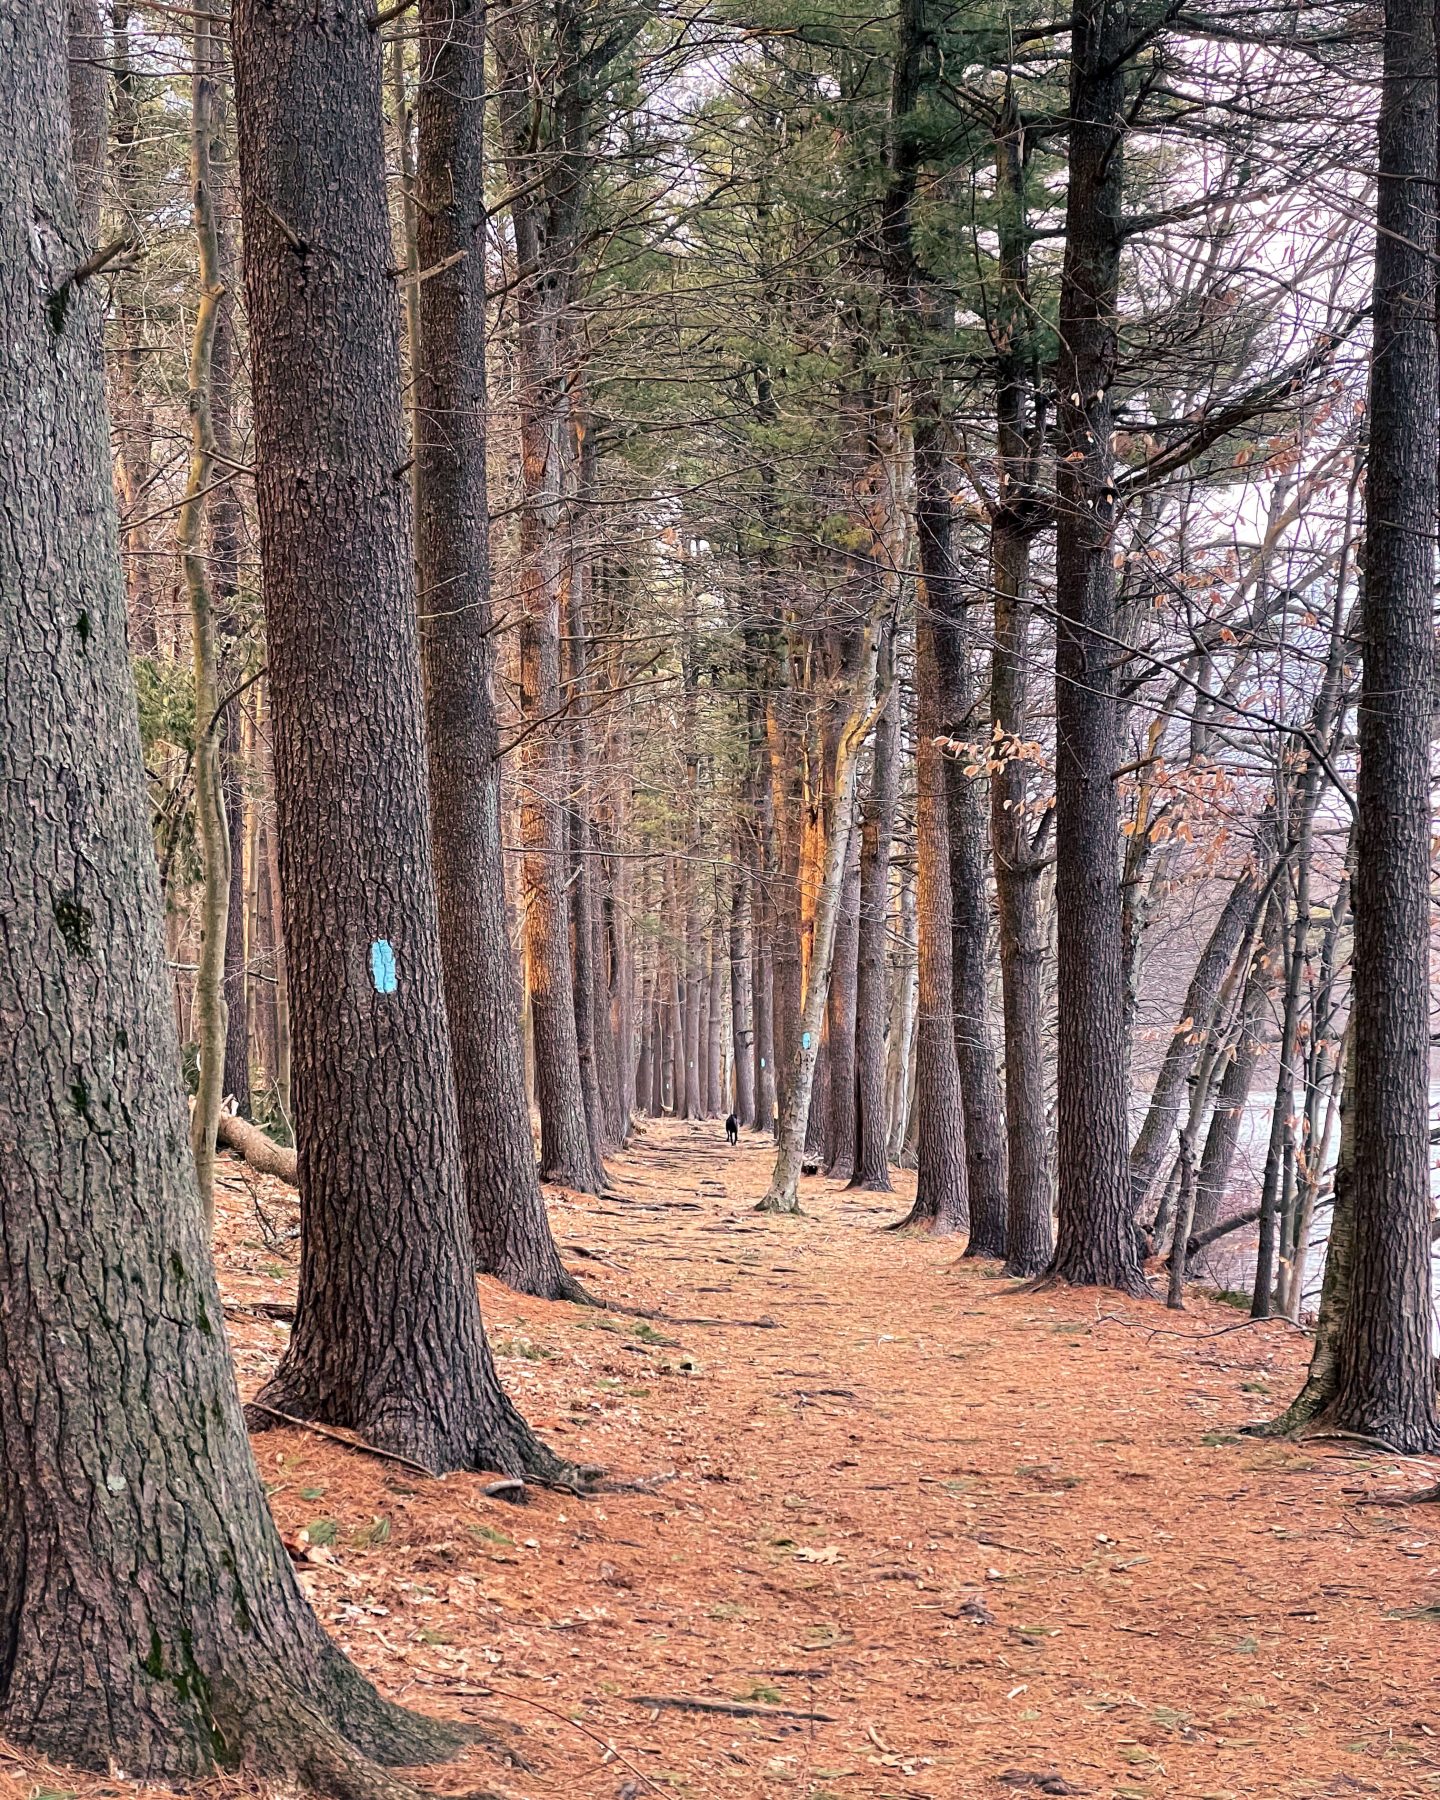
(804, 1040)
(382, 966)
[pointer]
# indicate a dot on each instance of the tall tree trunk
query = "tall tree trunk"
(511, 1232)
(549, 182)
(941, 1190)
(841, 1016)
(872, 998)
(1096, 1241)
(1016, 844)
(860, 680)
(714, 1035)
(607, 1066)
(387, 1338)
(226, 520)
(763, 1001)
(150, 1617)
(783, 900)
(742, 988)
(967, 833)
(210, 823)
(900, 1063)
(1294, 937)
(1385, 1386)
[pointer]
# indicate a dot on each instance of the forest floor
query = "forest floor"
(941, 1535)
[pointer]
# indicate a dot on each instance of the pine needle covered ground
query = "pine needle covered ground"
(897, 1528)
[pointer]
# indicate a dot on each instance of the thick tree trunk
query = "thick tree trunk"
(941, 1191)
(87, 51)
(150, 1617)
(1385, 1385)
(387, 1339)
(511, 1233)
(257, 1148)
(1096, 1242)
(872, 997)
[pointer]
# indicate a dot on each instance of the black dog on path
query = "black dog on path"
(732, 1130)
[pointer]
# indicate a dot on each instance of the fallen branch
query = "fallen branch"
(738, 1709)
(337, 1437)
(1202, 1238)
(256, 1147)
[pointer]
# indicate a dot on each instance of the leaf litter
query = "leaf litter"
(999, 1542)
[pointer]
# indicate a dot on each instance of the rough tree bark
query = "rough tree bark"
(936, 481)
(1385, 1376)
(133, 416)
(150, 1617)
(226, 521)
(387, 1338)
(547, 86)
(872, 998)
(941, 1192)
(511, 1232)
(1017, 843)
(86, 91)
(1096, 1242)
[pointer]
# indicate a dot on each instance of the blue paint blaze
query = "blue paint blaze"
(805, 1040)
(382, 966)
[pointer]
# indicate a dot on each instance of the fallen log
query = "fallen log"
(1202, 1239)
(256, 1147)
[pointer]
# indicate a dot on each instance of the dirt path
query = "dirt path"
(998, 1542)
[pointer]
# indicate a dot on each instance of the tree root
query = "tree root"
(1137, 1289)
(339, 1743)
(926, 1224)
